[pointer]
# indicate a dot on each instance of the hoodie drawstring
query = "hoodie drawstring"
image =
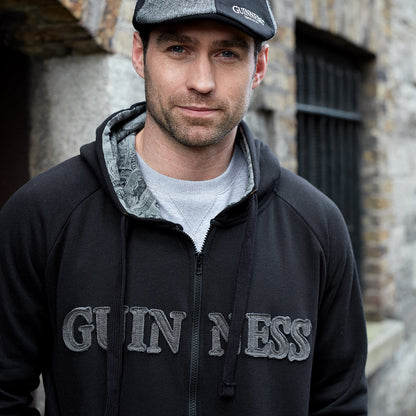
(245, 269)
(115, 338)
(116, 320)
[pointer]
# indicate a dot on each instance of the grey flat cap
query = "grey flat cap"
(253, 17)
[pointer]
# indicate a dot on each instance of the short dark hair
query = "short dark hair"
(258, 44)
(145, 35)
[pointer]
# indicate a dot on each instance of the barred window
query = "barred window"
(329, 119)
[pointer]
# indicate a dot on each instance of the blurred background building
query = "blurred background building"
(338, 106)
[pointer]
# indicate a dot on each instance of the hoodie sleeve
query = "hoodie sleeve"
(23, 307)
(338, 382)
(30, 223)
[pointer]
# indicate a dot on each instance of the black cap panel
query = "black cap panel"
(252, 17)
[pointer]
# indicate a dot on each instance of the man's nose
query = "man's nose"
(201, 75)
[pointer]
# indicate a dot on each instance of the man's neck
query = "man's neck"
(175, 160)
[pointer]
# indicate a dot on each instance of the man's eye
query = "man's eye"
(228, 54)
(177, 49)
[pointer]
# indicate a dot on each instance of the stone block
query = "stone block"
(376, 236)
(72, 96)
(76, 7)
(377, 203)
(384, 339)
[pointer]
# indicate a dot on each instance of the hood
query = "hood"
(113, 159)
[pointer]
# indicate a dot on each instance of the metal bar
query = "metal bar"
(356, 90)
(329, 112)
(331, 99)
(323, 155)
(322, 82)
(333, 140)
(302, 146)
(349, 82)
(300, 77)
(342, 163)
(312, 150)
(340, 100)
(311, 77)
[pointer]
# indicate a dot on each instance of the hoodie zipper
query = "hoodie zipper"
(196, 322)
(195, 336)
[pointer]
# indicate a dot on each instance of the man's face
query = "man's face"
(199, 77)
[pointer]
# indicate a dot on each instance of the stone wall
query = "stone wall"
(122, 41)
(393, 386)
(73, 94)
(361, 25)
(384, 29)
(400, 155)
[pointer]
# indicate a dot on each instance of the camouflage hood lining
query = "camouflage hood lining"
(118, 146)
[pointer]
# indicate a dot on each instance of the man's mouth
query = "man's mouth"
(198, 111)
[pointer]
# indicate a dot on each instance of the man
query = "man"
(174, 268)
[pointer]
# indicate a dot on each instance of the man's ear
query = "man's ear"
(137, 56)
(261, 66)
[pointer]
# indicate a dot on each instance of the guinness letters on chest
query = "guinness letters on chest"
(278, 337)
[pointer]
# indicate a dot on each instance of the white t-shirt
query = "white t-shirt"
(193, 204)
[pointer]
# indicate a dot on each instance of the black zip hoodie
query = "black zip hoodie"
(123, 317)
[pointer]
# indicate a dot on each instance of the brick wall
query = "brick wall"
(363, 25)
(387, 30)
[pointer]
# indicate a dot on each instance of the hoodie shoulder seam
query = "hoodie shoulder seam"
(304, 221)
(68, 217)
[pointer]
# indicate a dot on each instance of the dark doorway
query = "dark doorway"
(14, 121)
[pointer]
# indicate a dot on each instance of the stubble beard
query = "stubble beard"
(191, 131)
